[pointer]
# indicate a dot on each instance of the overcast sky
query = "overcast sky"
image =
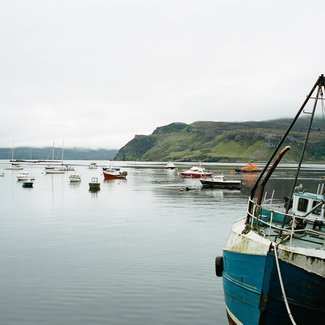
(93, 73)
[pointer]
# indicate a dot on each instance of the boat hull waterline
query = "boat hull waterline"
(220, 182)
(114, 175)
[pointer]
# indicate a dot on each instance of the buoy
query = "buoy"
(219, 265)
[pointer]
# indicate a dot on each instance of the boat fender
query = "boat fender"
(219, 265)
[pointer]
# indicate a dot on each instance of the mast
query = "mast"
(62, 152)
(319, 83)
(53, 151)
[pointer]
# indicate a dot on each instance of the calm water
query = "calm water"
(139, 251)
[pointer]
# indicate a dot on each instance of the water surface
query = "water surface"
(139, 251)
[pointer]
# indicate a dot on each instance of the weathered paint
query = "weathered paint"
(232, 319)
(311, 260)
(308, 259)
(251, 283)
(243, 281)
(250, 243)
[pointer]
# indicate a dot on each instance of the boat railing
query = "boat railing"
(272, 223)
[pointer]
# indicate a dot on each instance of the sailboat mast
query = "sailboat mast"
(62, 152)
(53, 151)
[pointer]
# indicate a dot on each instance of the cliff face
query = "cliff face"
(136, 148)
(224, 142)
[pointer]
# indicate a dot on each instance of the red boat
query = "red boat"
(196, 172)
(114, 174)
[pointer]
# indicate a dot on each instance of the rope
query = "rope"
(282, 287)
(322, 103)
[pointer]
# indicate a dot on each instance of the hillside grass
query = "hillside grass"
(222, 141)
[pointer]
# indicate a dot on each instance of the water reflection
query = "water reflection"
(150, 246)
(249, 179)
(93, 193)
(221, 193)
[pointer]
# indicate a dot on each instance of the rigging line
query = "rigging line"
(282, 286)
(304, 146)
(322, 102)
(319, 81)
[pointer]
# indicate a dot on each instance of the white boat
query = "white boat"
(24, 176)
(196, 172)
(170, 165)
(220, 181)
(2, 174)
(15, 166)
(92, 165)
(74, 178)
(54, 170)
(67, 168)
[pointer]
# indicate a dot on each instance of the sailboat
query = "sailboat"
(14, 165)
(273, 264)
(66, 167)
(52, 169)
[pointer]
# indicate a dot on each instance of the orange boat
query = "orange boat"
(249, 168)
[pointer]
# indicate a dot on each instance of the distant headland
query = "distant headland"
(199, 141)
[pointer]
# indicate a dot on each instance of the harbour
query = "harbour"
(139, 251)
(155, 167)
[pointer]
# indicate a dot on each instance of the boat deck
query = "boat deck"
(273, 223)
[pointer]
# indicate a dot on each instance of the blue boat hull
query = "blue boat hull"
(253, 293)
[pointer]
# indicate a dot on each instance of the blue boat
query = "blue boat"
(273, 264)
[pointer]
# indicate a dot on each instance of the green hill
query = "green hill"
(224, 142)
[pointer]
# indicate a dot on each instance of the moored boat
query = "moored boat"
(111, 168)
(220, 181)
(250, 167)
(170, 166)
(114, 174)
(24, 176)
(273, 264)
(94, 184)
(92, 165)
(15, 166)
(196, 172)
(67, 168)
(54, 170)
(75, 178)
(28, 183)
